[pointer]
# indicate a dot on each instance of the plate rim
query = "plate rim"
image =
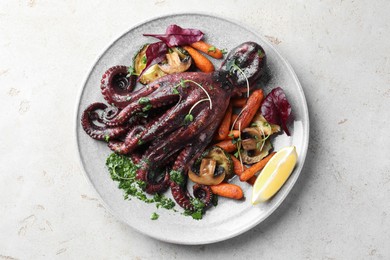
(304, 149)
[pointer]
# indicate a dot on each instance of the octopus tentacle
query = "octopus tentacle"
(143, 174)
(116, 87)
(166, 124)
(149, 103)
(99, 132)
(129, 142)
(184, 135)
(109, 113)
(159, 187)
(180, 193)
(203, 193)
(181, 196)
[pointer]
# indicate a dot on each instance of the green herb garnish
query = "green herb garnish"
(163, 202)
(198, 209)
(143, 101)
(177, 177)
(224, 51)
(144, 59)
(131, 71)
(188, 118)
(215, 200)
(183, 83)
(232, 67)
(107, 138)
(260, 53)
(123, 170)
(175, 91)
(147, 108)
(154, 216)
(212, 49)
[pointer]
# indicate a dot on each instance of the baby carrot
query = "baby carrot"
(223, 130)
(252, 180)
(233, 134)
(201, 62)
(251, 171)
(250, 109)
(208, 49)
(238, 168)
(227, 145)
(228, 190)
(239, 102)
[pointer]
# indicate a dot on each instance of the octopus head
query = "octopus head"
(244, 65)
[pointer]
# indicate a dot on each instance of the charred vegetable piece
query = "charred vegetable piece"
(265, 127)
(178, 60)
(207, 174)
(214, 163)
(254, 156)
(255, 144)
(139, 63)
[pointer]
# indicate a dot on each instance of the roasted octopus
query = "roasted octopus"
(167, 124)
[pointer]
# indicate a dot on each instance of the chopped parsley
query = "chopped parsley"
(163, 202)
(260, 53)
(177, 177)
(147, 108)
(123, 170)
(143, 101)
(154, 216)
(198, 209)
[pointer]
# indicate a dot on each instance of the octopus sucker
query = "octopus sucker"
(166, 125)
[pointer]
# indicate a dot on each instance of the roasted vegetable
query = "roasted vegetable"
(265, 127)
(255, 155)
(178, 60)
(255, 144)
(214, 166)
(139, 63)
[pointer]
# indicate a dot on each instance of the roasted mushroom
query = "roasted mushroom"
(178, 60)
(255, 145)
(212, 167)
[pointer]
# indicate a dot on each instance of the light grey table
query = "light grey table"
(339, 208)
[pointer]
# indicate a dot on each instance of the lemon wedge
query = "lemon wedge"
(274, 174)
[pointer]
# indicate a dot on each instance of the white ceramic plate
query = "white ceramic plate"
(230, 218)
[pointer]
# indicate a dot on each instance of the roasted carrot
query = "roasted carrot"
(208, 49)
(239, 102)
(237, 166)
(233, 134)
(228, 190)
(227, 145)
(234, 117)
(251, 171)
(252, 180)
(250, 109)
(201, 62)
(223, 130)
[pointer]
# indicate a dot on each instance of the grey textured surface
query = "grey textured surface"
(339, 208)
